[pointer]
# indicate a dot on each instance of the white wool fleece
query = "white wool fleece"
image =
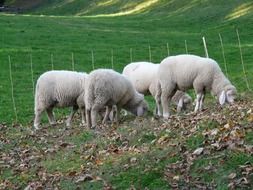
(106, 87)
(58, 89)
(183, 72)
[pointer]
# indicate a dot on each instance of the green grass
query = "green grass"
(52, 40)
(221, 167)
(156, 145)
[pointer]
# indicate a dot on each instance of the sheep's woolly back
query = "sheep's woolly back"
(141, 74)
(59, 88)
(184, 71)
(108, 87)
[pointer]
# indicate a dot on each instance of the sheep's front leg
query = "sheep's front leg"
(168, 92)
(50, 116)
(113, 113)
(68, 121)
(180, 105)
(117, 115)
(199, 102)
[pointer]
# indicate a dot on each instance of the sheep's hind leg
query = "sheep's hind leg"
(88, 117)
(83, 115)
(158, 109)
(50, 116)
(38, 114)
(108, 111)
(117, 115)
(94, 111)
(166, 96)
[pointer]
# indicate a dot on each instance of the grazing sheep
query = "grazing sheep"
(183, 72)
(59, 89)
(143, 76)
(106, 87)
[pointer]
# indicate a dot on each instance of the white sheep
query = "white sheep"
(106, 87)
(143, 76)
(182, 72)
(59, 89)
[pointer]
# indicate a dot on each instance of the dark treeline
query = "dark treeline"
(2, 2)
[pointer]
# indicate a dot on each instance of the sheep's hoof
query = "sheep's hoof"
(83, 124)
(156, 117)
(166, 116)
(93, 127)
(68, 123)
(36, 126)
(179, 110)
(53, 123)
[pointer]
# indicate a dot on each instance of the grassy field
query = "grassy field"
(60, 34)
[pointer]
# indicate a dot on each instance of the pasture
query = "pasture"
(211, 149)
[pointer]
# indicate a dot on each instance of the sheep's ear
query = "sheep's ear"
(222, 98)
(140, 111)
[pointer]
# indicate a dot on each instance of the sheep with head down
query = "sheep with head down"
(143, 76)
(106, 88)
(59, 89)
(183, 72)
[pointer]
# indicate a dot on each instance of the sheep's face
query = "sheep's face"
(228, 96)
(187, 99)
(142, 108)
(139, 109)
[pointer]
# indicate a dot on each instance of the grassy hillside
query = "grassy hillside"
(173, 24)
(111, 33)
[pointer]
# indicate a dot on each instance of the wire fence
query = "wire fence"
(17, 94)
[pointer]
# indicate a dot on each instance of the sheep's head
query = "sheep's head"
(228, 95)
(187, 99)
(184, 102)
(142, 108)
(138, 106)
